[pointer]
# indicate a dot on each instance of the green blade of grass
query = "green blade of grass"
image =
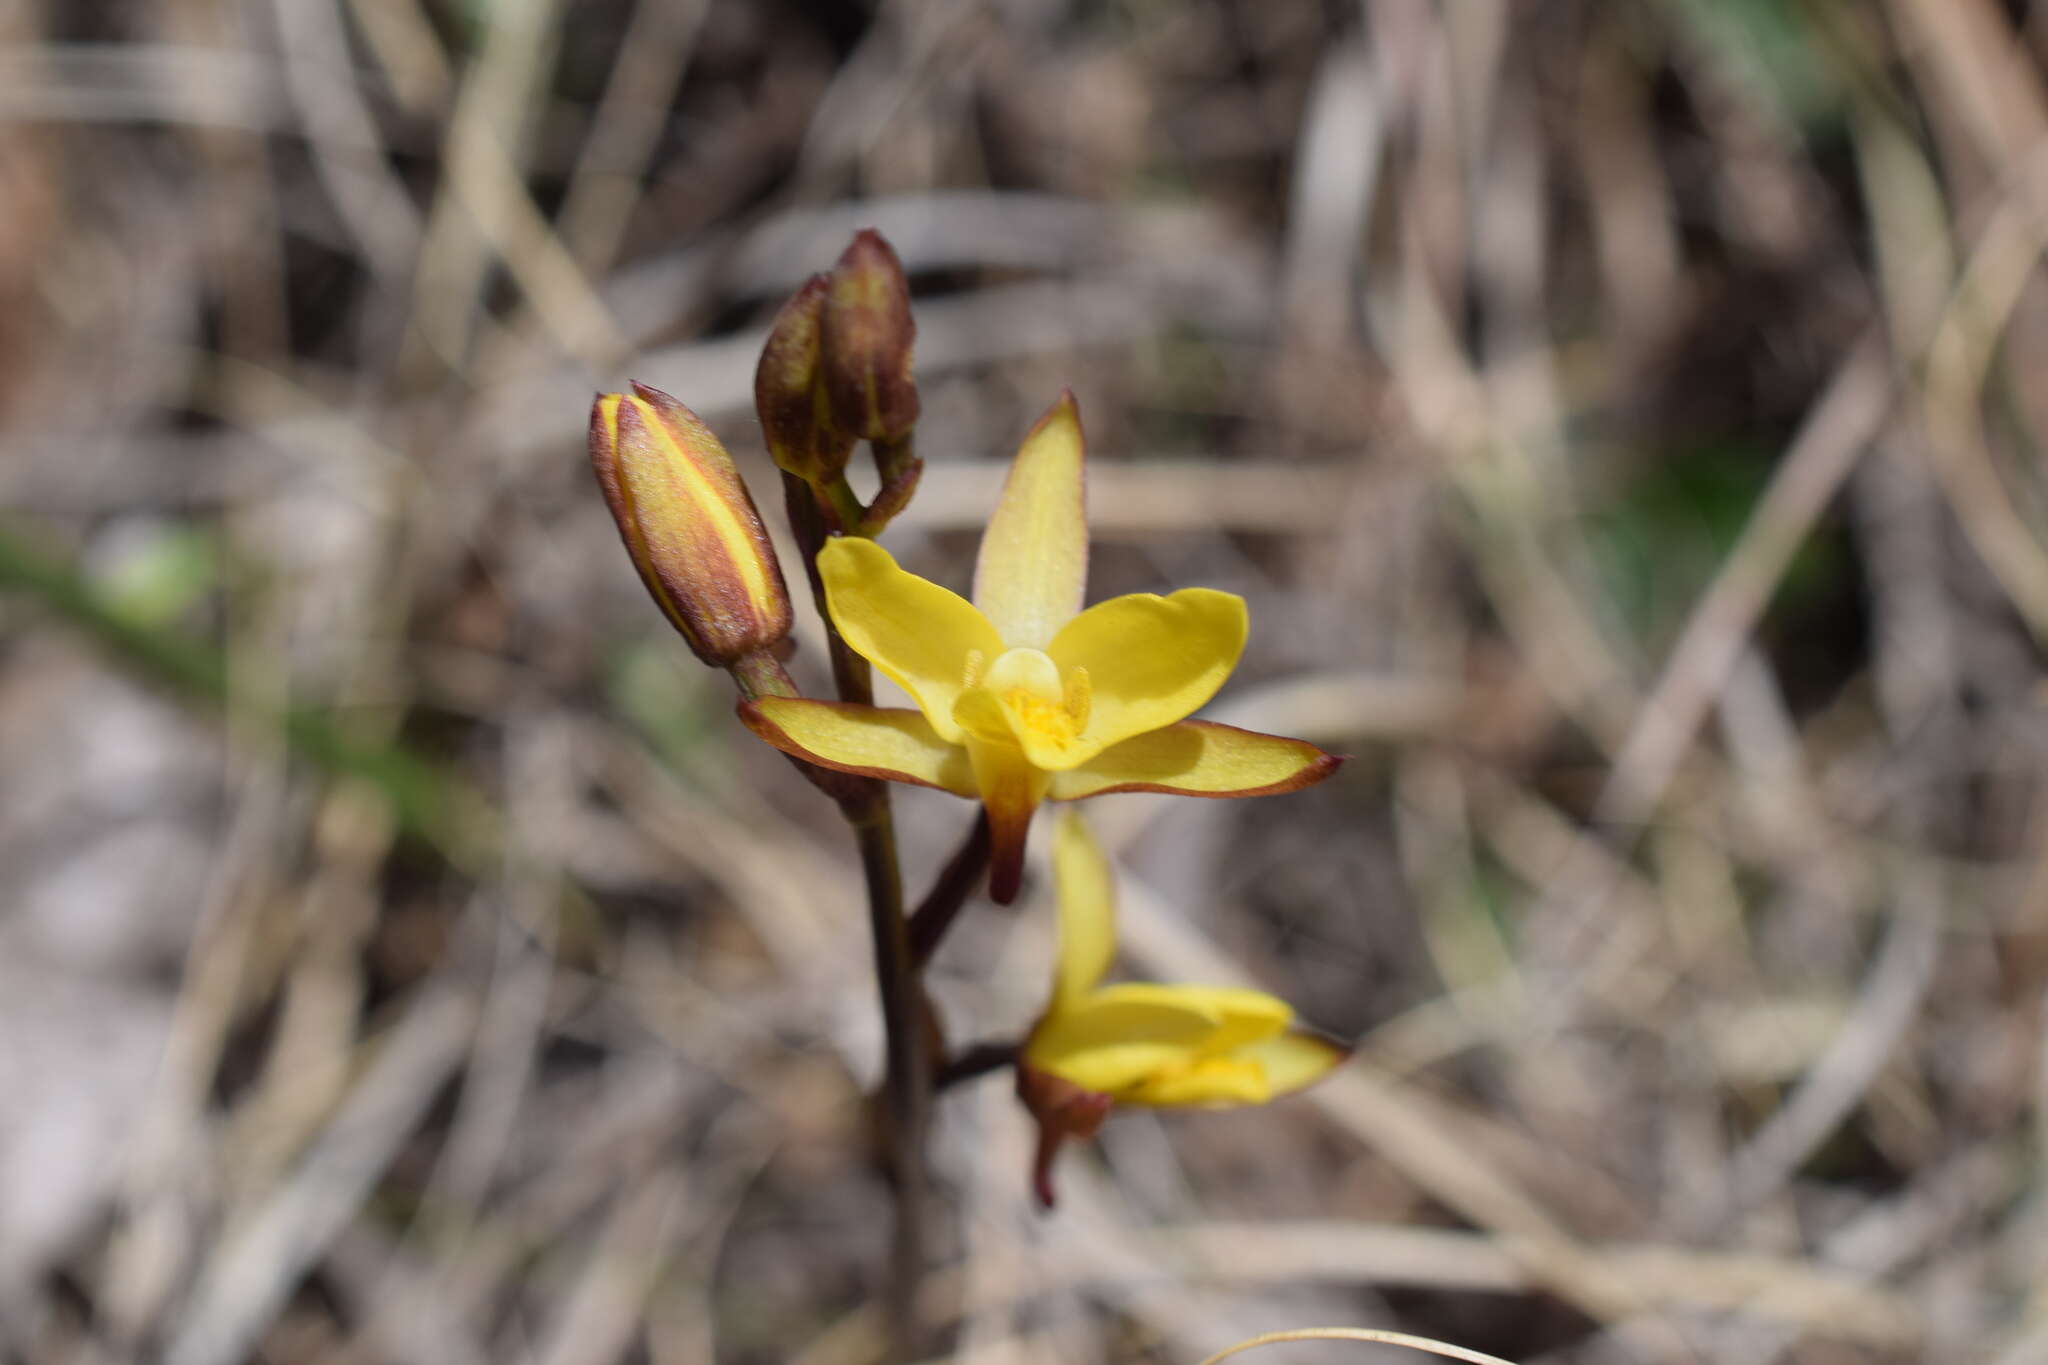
(428, 804)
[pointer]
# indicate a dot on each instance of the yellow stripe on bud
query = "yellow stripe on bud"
(688, 524)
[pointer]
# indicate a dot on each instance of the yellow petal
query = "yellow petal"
(1294, 1060)
(1086, 886)
(1198, 758)
(920, 634)
(1150, 660)
(1243, 1016)
(1114, 1069)
(1211, 1083)
(1033, 565)
(1010, 790)
(1113, 1038)
(888, 742)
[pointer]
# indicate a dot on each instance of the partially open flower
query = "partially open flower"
(1137, 1043)
(688, 524)
(1021, 695)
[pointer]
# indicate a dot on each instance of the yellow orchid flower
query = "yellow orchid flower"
(1138, 1043)
(1021, 695)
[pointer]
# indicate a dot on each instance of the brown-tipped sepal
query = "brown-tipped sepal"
(900, 468)
(866, 337)
(688, 524)
(789, 391)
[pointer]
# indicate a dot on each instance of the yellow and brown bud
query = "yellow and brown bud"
(688, 524)
(866, 337)
(789, 391)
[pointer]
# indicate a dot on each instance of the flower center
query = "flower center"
(1034, 696)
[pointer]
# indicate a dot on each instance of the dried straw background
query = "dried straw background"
(1622, 418)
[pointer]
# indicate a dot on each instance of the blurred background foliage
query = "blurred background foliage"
(1623, 420)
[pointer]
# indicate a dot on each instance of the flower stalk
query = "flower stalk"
(836, 370)
(942, 904)
(907, 1080)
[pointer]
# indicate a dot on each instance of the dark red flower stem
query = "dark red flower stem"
(907, 1083)
(978, 1060)
(949, 894)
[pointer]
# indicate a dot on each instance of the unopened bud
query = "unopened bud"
(866, 334)
(688, 524)
(789, 392)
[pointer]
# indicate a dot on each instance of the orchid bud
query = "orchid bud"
(866, 335)
(789, 393)
(688, 524)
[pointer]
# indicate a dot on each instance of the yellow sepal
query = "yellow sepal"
(1152, 1044)
(1243, 1016)
(1111, 1038)
(1033, 565)
(1085, 886)
(1198, 758)
(1293, 1061)
(888, 742)
(1210, 1083)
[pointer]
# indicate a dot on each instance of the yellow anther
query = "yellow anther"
(975, 663)
(1079, 695)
